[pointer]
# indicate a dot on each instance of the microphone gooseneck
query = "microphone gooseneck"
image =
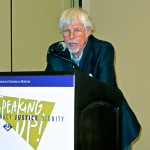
(65, 59)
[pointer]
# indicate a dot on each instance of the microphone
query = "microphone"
(57, 48)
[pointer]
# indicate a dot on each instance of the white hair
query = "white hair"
(75, 15)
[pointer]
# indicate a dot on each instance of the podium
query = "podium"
(58, 110)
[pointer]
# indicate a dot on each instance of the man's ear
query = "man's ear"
(88, 31)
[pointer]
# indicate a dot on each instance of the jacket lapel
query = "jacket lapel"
(86, 61)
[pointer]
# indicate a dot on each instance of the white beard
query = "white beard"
(74, 51)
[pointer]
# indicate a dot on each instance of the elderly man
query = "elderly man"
(93, 57)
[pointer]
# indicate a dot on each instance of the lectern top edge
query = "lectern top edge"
(37, 73)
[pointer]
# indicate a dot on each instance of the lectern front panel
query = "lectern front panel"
(37, 112)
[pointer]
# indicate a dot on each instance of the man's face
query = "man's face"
(75, 36)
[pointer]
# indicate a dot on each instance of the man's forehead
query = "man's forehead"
(75, 25)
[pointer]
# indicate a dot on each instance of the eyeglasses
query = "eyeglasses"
(76, 32)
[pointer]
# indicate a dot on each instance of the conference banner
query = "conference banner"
(37, 112)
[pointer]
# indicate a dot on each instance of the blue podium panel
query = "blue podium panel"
(37, 111)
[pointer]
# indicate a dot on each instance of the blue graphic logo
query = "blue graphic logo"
(7, 126)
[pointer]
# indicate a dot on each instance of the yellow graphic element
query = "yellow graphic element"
(25, 116)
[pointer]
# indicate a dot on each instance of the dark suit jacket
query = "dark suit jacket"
(98, 61)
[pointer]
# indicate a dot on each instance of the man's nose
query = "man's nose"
(72, 35)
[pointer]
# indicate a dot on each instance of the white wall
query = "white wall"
(5, 35)
(35, 25)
